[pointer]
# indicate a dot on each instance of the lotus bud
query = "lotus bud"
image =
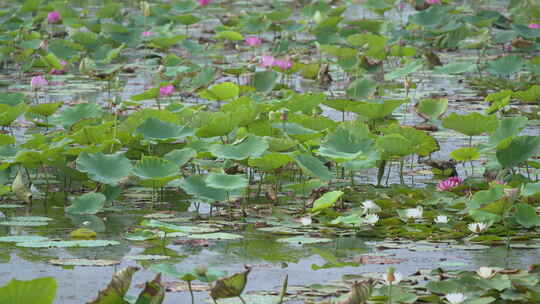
(283, 116)
(84, 66)
(145, 8)
(44, 45)
(390, 277)
(318, 17)
(200, 270)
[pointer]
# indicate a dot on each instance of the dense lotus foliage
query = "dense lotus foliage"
(307, 121)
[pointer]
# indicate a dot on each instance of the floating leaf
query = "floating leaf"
(22, 238)
(216, 236)
(64, 244)
(83, 262)
(301, 240)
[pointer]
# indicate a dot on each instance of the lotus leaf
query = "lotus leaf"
(313, 166)
(155, 129)
(250, 146)
(107, 169)
(471, 124)
(326, 201)
(518, 151)
(196, 186)
(37, 291)
(226, 181)
(89, 203)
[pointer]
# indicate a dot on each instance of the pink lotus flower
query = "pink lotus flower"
(449, 183)
(267, 61)
(147, 33)
(166, 90)
(253, 41)
(38, 82)
(534, 26)
(60, 72)
(283, 64)
(204, 2)
(433, 1)
(53, 17)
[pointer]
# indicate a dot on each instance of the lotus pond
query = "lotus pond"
(220, 151)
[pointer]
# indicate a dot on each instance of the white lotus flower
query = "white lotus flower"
(371, 219)
(441, 219)
(392, 279)
(414, 212)
(485, 272)
(369, 205)
(478, 227)
(306, 221)
(455, 298)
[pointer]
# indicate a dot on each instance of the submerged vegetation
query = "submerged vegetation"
(283, 125)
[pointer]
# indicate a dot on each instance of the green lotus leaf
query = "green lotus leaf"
(432, 108)
(8, 114)
(107, 169)
(531, 95)
(180, 157)
(226, 181)
(509, 127)
(471, 124)
(518, 151)
(313, 166)
(216, 236)
(407, 69)
(422, 143)
(395, 145)
(456, 68)
(151, 167)
(361, 88)
(506, 65)
(326, 201)
(224, 91)
(526, 215)
(230, 35)
(38, 291)
(45, 109)
(220, 124)
(375, 110)
(265, 81)
(250, 146)
(71, 115)
(465, 154)
(89, 203)
(346, 145)
(155, 129)
(270, 161)
(196, 186)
